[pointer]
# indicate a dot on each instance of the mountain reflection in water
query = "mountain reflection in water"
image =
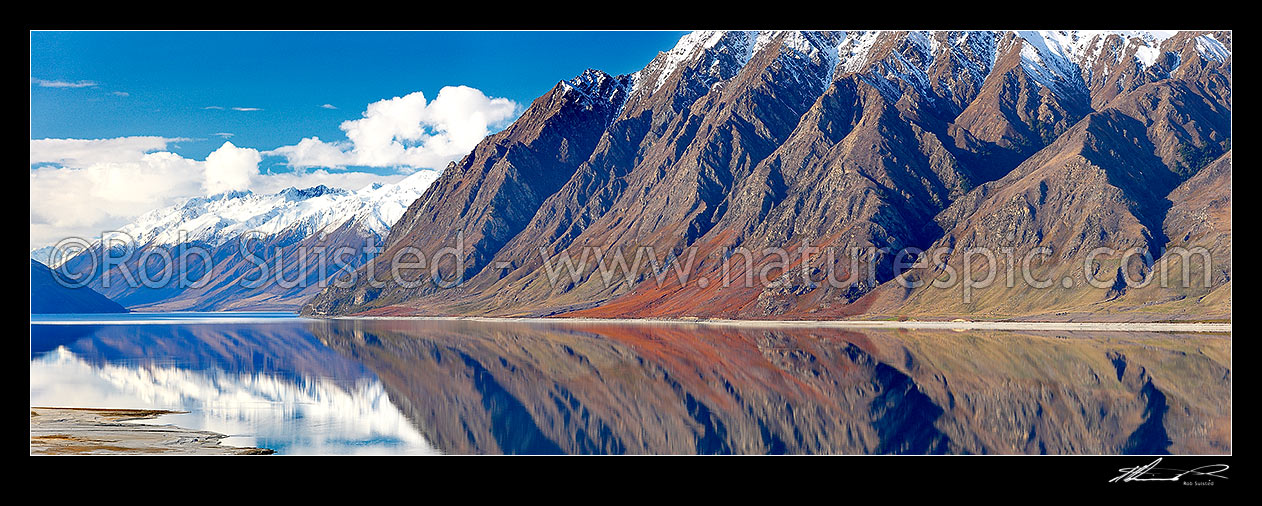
(270, 385)
(568, 387)
(475, 387)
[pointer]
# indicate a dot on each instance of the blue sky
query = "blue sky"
(169, 78)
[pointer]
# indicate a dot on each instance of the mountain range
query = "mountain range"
(879, 141)
(870, 164)
(259, 252)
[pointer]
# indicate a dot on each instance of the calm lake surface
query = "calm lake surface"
(303, 386)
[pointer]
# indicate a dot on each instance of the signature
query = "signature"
(1151, 472)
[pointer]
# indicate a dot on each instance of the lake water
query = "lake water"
(303, 386)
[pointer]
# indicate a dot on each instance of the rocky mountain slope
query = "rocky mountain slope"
(261, 252)
(880, 141)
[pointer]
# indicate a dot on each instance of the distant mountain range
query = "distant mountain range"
(239, 231)
(881, 141)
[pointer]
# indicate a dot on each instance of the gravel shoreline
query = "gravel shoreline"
(89, 431)
(879, 324)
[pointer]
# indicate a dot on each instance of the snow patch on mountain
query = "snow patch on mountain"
(1211, 49)
(597, 88)
(1047, 57)
(1060, 60)
(722, 54)
(1056, 59)
(819, 50)
(44, 256)
(1147, 55)
(691, 47)
(1085, 47)
(853, 51)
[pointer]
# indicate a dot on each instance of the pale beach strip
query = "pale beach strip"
(858, 324)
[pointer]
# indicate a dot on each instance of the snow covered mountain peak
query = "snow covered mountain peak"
(589, 81)
(217, 219)
(314, 191)
(720, 54)
(1068, 61)
(736, 46)
(596, 87)
(1065, 61)
(1084, 46)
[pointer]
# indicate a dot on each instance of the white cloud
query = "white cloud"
(313, 152)
(231, 168)
(328, 106)
(223, 134)
(213, 108)
(82, 187)
(120, 93)
(408, 131)
(44, 83)
(246, 109)
(82, 153)
(101, 184)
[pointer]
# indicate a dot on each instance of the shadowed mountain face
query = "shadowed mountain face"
(1112, 182)
(49, 294)
(473, 387)
(277, 272)
(879, 141)
(280, 350)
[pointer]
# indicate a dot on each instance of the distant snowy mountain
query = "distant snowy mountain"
(278, 226)
(44, 256)
(217, 219)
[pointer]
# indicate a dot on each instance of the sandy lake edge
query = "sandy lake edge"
(101, 431)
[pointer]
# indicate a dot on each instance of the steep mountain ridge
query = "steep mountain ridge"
(627, 169)
(797, 140)
(1106, 183)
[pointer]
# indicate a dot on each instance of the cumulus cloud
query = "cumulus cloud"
(231, 168)
(408, 131)
(91, 185)
(328, 106)
(101, 184)
(81, 153)
(83, 187)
